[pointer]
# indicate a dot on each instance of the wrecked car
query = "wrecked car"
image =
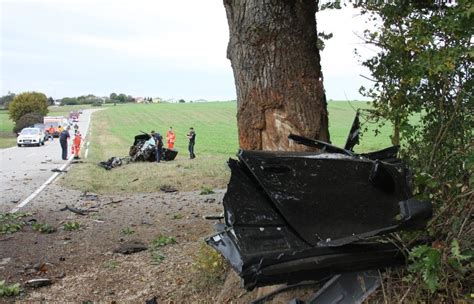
(148, 154)
(298, 216)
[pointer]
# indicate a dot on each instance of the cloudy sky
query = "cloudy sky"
(170, 49)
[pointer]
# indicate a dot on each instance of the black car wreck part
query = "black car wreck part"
(297, 216)
(148, 154)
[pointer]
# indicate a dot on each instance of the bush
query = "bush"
(68, 101)
(29, 102)
(27, 120)
(209, 268)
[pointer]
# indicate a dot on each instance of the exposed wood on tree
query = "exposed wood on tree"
(277, 71)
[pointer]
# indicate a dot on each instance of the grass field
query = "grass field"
(113, 130)
(8, 138)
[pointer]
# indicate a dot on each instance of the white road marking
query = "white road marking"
(87, 150)
(34, 194)
(31, 154)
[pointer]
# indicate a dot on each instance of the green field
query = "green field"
(113, 129)
(8, 138)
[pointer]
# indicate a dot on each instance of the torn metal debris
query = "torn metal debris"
(296, 216)
(138, 152)
(111, 163)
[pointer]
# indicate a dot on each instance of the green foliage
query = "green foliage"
(458, 260)
(11, 222)
(157, 257)
(209, 267)
(177, 216)
(423, 86)
(111, 264)
(128, 231)
(155, 248)
(6, 100)
(27, 120)
(81, 100)
(29, 102)
(120, 98)
(43, 228)
(9, 290)
(205, 190)
(427, 261)
(69, 101)
(71, 226)
(161, 241)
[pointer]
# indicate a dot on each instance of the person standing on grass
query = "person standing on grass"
(159, 147)
(170, 138)
(63, 137)
(192, 140)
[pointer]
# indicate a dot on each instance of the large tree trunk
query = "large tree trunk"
(277, 71)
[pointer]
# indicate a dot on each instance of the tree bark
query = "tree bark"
(277, 71)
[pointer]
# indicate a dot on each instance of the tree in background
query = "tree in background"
(276, 63)
(69, 101)
(29, 102)
(423, 85)
(27, 120)
(50, 101)
(6, 100)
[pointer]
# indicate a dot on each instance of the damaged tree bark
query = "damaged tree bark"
(277, 72)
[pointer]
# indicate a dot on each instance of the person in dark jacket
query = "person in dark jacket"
(192, 140)
(63, 137)
(158, 145)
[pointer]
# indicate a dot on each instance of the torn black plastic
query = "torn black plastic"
(295, 216)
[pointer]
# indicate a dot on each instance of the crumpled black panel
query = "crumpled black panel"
(330, 199)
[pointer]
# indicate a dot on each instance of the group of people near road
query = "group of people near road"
(64, 136)
(156, 140)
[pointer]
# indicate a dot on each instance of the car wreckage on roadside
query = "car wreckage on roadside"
(299, 216)
(139, 152)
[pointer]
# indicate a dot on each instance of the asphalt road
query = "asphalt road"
(24, 169)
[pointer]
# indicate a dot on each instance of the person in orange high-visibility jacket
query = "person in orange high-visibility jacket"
(76, 144)
(170, 138)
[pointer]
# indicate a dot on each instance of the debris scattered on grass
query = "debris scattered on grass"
(113, 202)
(168, 189)
(112, 162)
(77, 210)
(89, 196)
(131, 247)
(36, 283)
(151, 301)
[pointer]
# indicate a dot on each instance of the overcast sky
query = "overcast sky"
(168, 49)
